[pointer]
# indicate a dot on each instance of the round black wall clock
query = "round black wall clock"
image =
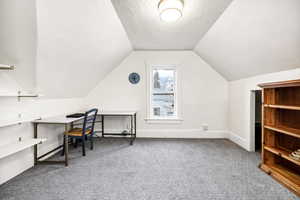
(134, 78)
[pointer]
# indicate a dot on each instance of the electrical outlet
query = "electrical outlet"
(20, 139)
(205, 127)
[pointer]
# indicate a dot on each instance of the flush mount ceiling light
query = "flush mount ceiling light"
(170, 10)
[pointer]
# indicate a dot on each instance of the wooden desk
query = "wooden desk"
(131, 114)
(59, 120)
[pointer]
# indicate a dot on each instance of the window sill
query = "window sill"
(163, 121)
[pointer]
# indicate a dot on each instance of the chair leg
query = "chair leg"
(75, 143)
(83, 146)
(63, 150)
(92, 142)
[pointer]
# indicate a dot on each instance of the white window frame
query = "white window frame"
(151, 118)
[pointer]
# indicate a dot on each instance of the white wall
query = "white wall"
(204, 95)
(239, 103)
(18, 42)
(79, 42)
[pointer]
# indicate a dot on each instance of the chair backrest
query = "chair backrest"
(89, 121)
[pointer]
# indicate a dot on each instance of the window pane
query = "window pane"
(163, 81)
(163, 93)
(163, 105)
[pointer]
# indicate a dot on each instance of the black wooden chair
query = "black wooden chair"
(86, 132)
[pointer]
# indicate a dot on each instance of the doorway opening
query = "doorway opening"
(258, 121)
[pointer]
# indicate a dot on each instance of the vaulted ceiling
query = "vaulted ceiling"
(147, 32)
(254, 37)
(68, 46)
(239, 38)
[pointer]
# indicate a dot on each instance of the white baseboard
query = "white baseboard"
(188, 134)
(181, 133)
(238, 140)
(176, 133)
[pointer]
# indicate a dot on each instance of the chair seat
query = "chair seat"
(77, 132)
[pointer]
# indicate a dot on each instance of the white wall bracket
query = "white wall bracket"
(7, 67)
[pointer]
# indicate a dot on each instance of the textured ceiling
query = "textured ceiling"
(79, 42)
(147, 32)
(254, 37)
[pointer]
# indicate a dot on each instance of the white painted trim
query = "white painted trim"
(163, 67)
(187, 134)
(176, 133)
(239, 140)
(181, 133)
(164, 121)
(178, 101)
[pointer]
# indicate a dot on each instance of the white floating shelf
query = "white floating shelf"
(8, 94)
(9, 149)
(17, 94)
(17, 121)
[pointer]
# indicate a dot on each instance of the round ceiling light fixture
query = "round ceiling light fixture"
(170, 10)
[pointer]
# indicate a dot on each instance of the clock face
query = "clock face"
(134, 78)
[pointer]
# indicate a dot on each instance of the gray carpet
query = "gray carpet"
(152, 169)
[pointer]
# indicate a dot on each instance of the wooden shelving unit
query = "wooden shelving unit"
(285, 130)
(282, 153)
(281, 132)
(282, 107)
(284, 175)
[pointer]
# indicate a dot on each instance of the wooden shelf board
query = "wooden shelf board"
(284, 176)
(282, 153)
(287, 107)
(9, 149)
(289, 83)
(286, 130)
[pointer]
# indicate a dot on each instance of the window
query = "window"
(163, 92)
